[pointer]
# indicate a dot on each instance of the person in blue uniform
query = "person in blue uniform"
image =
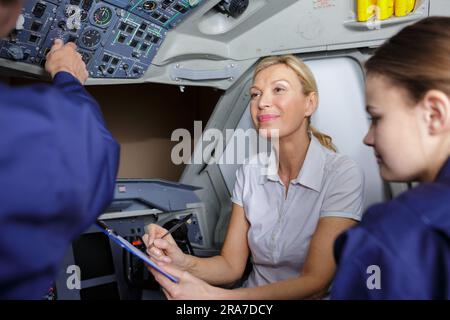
(401, 249)
(58, 164)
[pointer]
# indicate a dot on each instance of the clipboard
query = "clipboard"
(132, 249)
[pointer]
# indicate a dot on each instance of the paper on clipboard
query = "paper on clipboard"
(132, 249)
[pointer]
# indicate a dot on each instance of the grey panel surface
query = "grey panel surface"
(439, 8)
(159, 194)
(210, 41)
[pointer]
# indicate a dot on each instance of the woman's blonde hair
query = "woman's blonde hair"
(308, 83)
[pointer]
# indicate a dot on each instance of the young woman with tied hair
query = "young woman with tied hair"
(286, 220)
(401, 249)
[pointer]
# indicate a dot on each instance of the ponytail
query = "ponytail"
(323, 138)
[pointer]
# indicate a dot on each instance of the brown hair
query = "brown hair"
(417, 58)
(308, 82)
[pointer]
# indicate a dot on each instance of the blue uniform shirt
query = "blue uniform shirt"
(401, 249)
(58, 164)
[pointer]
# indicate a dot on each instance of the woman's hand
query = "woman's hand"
(164, 250)
(188, 286)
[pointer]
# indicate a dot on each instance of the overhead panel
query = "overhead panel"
(116, 38)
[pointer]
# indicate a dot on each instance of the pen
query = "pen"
(125, 244)
(175, 227)
(103, 226)
(179, 224)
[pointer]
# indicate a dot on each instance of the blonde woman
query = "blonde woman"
(287, 221)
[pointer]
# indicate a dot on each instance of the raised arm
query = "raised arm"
(59, 164)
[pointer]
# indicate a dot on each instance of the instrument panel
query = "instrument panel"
(116, 38)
